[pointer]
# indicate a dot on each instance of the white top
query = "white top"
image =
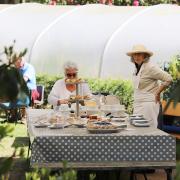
(59, 91)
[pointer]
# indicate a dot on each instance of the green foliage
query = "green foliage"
(11, 55)
(92, 176)
(172, 93)
(38, 174)
(154, 2)
(122, 2)
(110, 2)
(177, 176)
(44, 173)
(121, 88)
(174, 67)
(6, 165)
(11, 81)
(5, 131)
(65, 174)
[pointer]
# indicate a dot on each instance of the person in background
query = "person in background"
(62, 91)
(29, 75)
(147, 89)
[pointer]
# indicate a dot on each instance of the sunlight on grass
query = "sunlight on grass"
(17, 138)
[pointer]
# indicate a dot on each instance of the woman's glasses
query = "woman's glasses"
(71, 74)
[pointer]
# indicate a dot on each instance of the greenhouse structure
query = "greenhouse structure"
(96, 123)
(95, 36)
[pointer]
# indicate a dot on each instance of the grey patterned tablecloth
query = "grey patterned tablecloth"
(78, 145)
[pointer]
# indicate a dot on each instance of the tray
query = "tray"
(79, 125)
(141, 125)
(118, 119)
(41, 125)
(104, 131)
(58, 126)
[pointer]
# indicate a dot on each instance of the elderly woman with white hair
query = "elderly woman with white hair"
(62, 91)
(147, 88)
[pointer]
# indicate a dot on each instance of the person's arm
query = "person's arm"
(29, 74)
(26, 78)
(163, 76)
(161, 88)
(62, 101)
(53, 97)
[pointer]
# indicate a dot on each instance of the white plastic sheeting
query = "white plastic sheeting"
(97, 37)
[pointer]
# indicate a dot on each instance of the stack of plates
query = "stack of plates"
(139, 121)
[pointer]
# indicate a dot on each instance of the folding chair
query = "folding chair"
(39, 102)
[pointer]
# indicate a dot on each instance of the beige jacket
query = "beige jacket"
(150, 76)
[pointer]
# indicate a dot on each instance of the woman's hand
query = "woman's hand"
(62, 101)
(157, 97)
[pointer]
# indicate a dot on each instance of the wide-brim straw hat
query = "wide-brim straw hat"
(139, 49)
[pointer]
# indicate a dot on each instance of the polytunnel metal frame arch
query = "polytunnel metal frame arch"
(119, 29)
(50, 26)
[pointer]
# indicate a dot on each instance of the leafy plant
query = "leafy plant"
(172, 93)
(11, 81)
(65, 174)
(109, 2)
(121, 88)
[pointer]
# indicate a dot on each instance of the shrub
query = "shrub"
(109, 2)
(173, 68)
(121, 88)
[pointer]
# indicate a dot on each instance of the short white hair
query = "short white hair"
(70, 65)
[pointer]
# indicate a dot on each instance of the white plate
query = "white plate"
(79, 125)
(137, 118)
(141, 125)
(104, 131)
(136, 115)
(58, 126)
(41, 125)
(118, 119)
(141, 121)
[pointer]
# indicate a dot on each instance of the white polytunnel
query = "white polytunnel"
(95, 36)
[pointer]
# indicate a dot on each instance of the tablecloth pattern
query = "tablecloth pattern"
(78, 145)
(103, 148)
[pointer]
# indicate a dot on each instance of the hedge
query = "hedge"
(108, 2)
(121, 88)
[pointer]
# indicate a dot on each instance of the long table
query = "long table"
(135, 147)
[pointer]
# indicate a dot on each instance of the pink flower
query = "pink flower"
(109, 2)
(135, 3)
(102, 1)
(53, 2)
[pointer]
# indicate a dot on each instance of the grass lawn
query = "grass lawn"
(16, 139)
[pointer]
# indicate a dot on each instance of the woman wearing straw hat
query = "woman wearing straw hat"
(147, 89)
